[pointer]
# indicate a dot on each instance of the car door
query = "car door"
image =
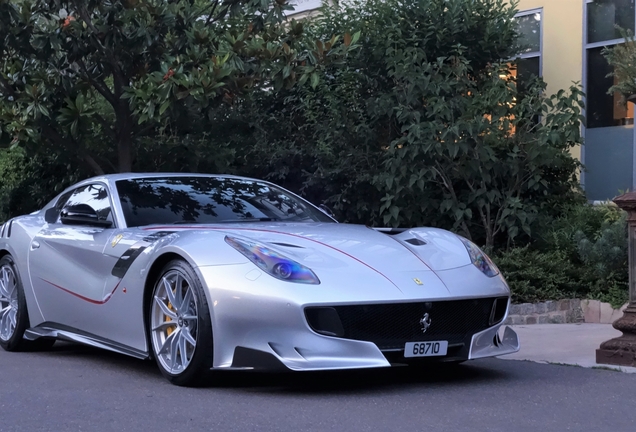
(67, 265)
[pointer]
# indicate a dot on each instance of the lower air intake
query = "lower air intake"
(390, 326)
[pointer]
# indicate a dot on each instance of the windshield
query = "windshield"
(201, 200)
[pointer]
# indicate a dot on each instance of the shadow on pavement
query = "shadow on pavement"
(347, 381)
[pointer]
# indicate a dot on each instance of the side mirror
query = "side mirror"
(82, 214)
(50, 216)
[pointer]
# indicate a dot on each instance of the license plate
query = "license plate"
(425, 349)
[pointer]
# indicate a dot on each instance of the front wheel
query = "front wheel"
(14, 318)
(180, 325)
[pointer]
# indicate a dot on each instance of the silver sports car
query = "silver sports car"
(207, 272)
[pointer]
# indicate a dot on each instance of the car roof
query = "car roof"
(135, 176)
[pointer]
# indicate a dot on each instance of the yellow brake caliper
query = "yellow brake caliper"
(169, 330)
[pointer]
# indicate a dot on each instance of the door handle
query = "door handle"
(35, 245)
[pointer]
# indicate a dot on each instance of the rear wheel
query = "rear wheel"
(180, 325)
(14, 318)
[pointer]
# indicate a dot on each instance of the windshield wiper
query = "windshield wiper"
(263, 219)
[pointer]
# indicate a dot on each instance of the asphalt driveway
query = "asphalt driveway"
(75, 388)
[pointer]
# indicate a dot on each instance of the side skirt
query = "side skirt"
(61, 332)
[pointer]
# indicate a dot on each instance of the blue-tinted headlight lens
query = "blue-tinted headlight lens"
(480, 259)
(273, 263)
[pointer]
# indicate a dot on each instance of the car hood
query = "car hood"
(318, 244)
(362, 259)
(414, 249)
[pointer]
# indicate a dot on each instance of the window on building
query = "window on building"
(603, 109)
(529, 60)
(608, 154)
(604, 15)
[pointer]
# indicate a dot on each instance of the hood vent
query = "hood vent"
(391, 231)
(416, 242)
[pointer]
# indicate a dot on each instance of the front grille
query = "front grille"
(390, 326)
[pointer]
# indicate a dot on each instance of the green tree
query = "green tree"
(425, 124)
(99, 79)
(622, 57)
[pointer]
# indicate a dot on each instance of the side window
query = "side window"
(52, 215)
(95, 196)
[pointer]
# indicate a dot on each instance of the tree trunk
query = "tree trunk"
(124, 154)
(124, 126)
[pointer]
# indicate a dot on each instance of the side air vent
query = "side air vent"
(325, 320)
(498, 310)
(416, 242)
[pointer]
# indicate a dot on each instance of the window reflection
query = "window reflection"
(529, 28)
(528, 64)
(525, 70)
(175, 200)
(604, 109)
(604, 15)
(94, 195)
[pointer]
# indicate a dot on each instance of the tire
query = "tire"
(14, 317)
(180, 327)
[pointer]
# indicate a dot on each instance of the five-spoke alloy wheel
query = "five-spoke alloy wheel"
(180, 328)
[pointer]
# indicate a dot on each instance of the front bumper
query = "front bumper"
(337, 354)
(257, 327)
(490, 343)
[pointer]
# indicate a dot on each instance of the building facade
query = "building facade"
(572, 36)
(565, 40)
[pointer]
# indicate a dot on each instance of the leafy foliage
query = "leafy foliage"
(583, 255)
(622, 57)
(537, 276)
(98, 79)
(424, 124)
(28, 182)
(412, 116)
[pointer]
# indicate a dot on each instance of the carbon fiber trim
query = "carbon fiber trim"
(125, 261)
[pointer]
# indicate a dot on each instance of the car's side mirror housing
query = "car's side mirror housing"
(82, 214)
(50, 215)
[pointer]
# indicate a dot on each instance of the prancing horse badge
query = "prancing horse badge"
(417, 281)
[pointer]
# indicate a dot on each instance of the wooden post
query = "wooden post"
(622, 350)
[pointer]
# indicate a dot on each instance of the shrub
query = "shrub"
(537, 276)
(583, 254)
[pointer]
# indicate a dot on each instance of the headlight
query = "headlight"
(480, 259)
(273, 263)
